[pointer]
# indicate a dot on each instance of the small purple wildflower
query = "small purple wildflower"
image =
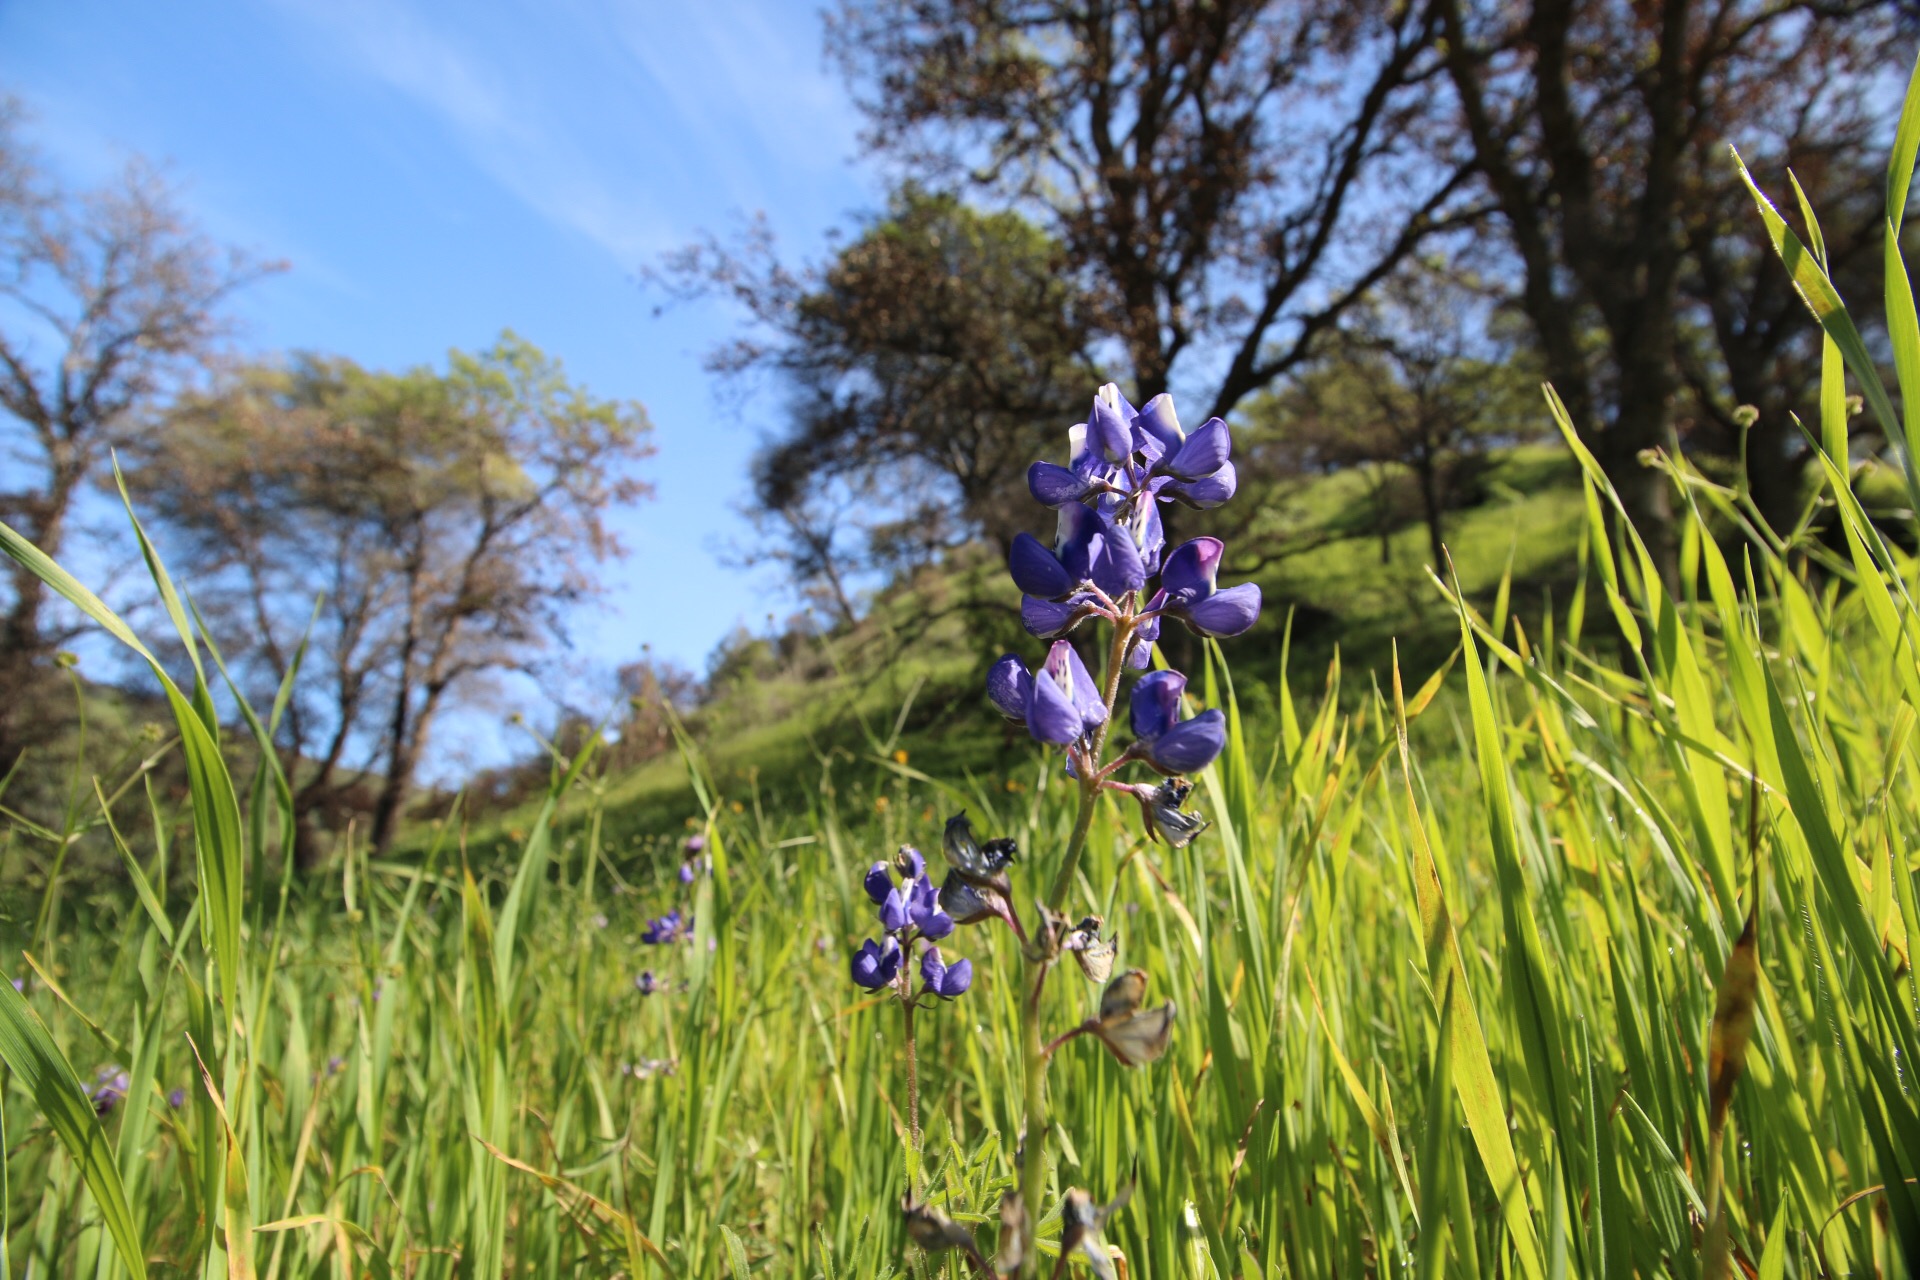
(666, 929)
(109, 1089)
(875, 965)
(1162, 738)
(909, 908)
(945, 980)
(177, 1098)
(646, 984)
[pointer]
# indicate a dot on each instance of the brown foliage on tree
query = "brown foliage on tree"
(1226, 176)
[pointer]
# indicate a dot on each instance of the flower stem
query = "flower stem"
(913, 1107)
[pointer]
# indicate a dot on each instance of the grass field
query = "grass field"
(1582, 952)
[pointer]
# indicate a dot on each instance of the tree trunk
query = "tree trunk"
(1775, 466)
(387, 806)
(1428, 470)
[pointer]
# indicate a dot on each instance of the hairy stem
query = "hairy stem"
(913, 1108)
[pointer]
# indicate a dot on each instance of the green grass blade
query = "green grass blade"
(29, 1051)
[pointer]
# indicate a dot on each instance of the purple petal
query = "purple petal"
(874, 966)
(937, 924)
(1051, 715)
(1110, 426)
(1155, 704)
(959, 977)
(1150, 535)
(1191, 567)
(1204, 453)
(1140, 651)
(1053, 485)
(1207, 492)
(1116, 567)
(879, 883)
(1192, 744)
(1158, 422)
(1225, 613)
(1036, 570)
(1048, 620)
(912, 862)
(1066, 669)
(932, 968)
(893, 911)
(1075, 534)
(1010, 687)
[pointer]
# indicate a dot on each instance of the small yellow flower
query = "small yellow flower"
(1015, 785)
(880, 803)
(900, 756)
(737, 807)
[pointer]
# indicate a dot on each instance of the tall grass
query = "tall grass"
(1587, 954)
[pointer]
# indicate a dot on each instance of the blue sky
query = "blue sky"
(433, 174)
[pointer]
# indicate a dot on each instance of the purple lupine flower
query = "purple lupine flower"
(666, 929)
(694, 844)
(645, 983)
(878, 882)
(176, 1098)
(945, 980)
(1162, 738)
(109, 1089)
(1091, 544)
(1059, 703)
(1187, 592)
(925, 912)
(1127, 461)
(1050, 619)
(1205, 493)
(911, 862)
(1146, 633)
(876, 964)
(893, 911)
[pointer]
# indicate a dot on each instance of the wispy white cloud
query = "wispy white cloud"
(753, 91)
(501, 115)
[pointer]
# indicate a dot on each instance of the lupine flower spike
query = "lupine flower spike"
(1107, 563)
(910, 909)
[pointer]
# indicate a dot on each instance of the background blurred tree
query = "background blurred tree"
(1226, 177)
(447, 520)
(109, 302)
(1416, 384)
(924, 366)
(1599, 129)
